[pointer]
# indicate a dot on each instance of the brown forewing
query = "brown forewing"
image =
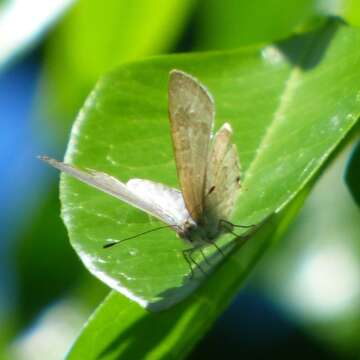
(191, 112)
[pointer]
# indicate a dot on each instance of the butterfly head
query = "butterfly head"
(197, 234)
(191, 232)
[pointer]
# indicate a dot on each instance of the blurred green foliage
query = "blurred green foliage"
(349, 10)
(232, 23)
(44, 254)
(95, 37)
(352, 175)
(55, 270)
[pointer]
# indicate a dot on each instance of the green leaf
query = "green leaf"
(233, 23)
(23, 23)
(123, 130)
(94, 38)
(352, 175)
(120, 329)
(284, 156)
(349, 10)
(242, 82)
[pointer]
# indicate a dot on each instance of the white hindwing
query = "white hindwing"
(158, 200)
(170, 201)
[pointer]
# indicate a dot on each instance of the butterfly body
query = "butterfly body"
(208, 170)
(199, 234)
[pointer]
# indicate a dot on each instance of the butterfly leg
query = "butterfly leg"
(187, 253)
(204, 257)
(218, 249)
(228, 226)
(216, 246)
(194, 261)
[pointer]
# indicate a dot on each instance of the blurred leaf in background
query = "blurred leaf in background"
(51, 333)
(95, 37)
(19, 171)
(348, 9)
(45, 254)
(233, 23)
(23, 23)
(352, 175)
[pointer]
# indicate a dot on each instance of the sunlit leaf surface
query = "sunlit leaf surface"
(280, 102)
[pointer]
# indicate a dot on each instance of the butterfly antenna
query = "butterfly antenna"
(135, 236)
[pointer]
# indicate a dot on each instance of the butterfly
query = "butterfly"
(208, 170)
